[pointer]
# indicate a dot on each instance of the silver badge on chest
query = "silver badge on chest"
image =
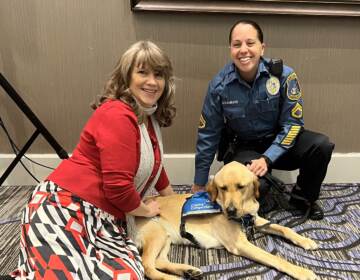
(273, 85)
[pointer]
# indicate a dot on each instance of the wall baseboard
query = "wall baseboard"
(343, 168)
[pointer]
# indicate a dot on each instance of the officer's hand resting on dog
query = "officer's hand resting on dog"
(258, 166)
(196, 188)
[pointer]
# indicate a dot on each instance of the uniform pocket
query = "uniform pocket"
(268, 104)
(237, 119)
(234, 112)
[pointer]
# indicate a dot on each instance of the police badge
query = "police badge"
(273, 85)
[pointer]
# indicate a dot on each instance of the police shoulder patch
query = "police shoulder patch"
(297, 111)
(293, 88)
(202, 122)
(273, 85)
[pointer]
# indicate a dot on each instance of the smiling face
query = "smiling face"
(146, 85)
(246, 50)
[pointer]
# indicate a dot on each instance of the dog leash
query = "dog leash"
(279, 186)
(248, 223)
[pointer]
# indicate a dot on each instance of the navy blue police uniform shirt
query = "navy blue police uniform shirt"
(270, 107)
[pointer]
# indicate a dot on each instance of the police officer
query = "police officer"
(264, 110)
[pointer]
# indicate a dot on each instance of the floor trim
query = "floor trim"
(343, 168)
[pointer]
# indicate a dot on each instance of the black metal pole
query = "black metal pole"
(19, 156)
(40, 129)
(32, 117)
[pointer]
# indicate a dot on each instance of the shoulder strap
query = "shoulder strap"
(183, 232)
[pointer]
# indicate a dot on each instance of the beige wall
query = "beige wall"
(58, 54)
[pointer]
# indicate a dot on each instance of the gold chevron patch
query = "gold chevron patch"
(202, 122)
(297, 111)
(294, 131)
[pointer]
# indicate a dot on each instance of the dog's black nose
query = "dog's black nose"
(231, 211)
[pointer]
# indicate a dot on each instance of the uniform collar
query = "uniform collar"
(233, 73)
(262, 67)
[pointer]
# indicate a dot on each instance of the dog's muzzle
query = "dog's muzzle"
(231, 212)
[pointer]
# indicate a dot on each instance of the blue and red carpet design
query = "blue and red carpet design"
(338, 236)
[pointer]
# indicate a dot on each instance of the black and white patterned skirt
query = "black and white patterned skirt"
(64, 237)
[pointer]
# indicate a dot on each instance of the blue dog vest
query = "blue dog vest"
(197, 204)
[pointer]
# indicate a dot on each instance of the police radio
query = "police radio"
(276, 67)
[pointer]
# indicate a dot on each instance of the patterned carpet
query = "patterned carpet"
(338, 236)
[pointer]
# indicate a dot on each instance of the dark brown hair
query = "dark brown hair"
(260, 34)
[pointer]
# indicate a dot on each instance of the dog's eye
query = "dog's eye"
(224, 188)
(239, 187)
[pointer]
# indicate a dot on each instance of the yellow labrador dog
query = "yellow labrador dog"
(235, 189)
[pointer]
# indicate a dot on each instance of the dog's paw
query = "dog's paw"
(194, 273)
(308, 244)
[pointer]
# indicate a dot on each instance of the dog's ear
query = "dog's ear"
(256, 187)
(212, 190)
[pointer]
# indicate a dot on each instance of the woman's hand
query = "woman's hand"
(149, 208)
(258, 167)
(167, 191)
(153, 208)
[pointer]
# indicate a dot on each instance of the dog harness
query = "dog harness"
(200, 204)
(195, 205)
